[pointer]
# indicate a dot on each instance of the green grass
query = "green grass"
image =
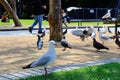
(24, 22)
(28, 22)
(109, 71)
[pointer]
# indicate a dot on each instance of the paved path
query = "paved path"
(26, 32)
(34, 71)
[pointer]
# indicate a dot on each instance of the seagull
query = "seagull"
(104, 29)
(93, 35)
(46, 59)
(73, 8)
(103, 37)
(117, 42)
(65, 44)
(83, 33)
(98, 45)
(107, 15)
(39, 42)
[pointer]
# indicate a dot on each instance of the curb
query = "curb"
(35, 72)
(16, 29)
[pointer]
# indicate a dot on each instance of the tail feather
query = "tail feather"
(28, 66)
(69, 47)
(106, 48)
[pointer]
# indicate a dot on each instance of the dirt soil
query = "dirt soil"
(18, 51)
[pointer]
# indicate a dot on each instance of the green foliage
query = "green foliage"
(109, 71)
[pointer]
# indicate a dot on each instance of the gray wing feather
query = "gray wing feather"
(41, 62)
(77, 32)
(105, 37)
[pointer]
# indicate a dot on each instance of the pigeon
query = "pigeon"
(46, 59)
(98, 45)
(65, 32)
(109, 30)
(117, 42)
(98, 29)
(39, 42)
(118, 32)
(65, 44)
(43, 32)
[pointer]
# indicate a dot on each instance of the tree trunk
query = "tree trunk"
(13, 5)
(11, 12)
(55, 20)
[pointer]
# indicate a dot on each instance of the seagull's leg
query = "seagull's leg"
(64, 49)
(45, 70)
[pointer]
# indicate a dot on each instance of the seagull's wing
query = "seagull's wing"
(41, 61)
(106, 15)
(105, 37)
(77, 32)
(93, 35)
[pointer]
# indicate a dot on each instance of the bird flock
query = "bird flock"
(49, 57)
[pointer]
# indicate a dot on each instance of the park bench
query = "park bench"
(86, 20)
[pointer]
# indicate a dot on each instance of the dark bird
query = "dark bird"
(98, 29)
(98, 45)
(117, 42)
(65, 44)
(118, 32)
(109, 30)
(46, 59)
(39, 42)
(43, 32)
(65, 32)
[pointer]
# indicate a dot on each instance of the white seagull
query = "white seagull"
(46, 59)
(103, 37)
(107, 15)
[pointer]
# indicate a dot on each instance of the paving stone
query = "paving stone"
(9, 76)
(25, 73)
(39, 71)
(34, 71)
(3, 78)
(18, 75)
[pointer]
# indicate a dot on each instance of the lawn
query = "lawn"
(109, 71)
(27, 22)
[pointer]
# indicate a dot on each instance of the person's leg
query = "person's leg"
(36, 18)
(40, 19)
(34, 23)
(65, 21)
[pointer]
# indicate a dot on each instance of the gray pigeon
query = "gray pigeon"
(65, 44)
(117, 42)
(39, 42)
